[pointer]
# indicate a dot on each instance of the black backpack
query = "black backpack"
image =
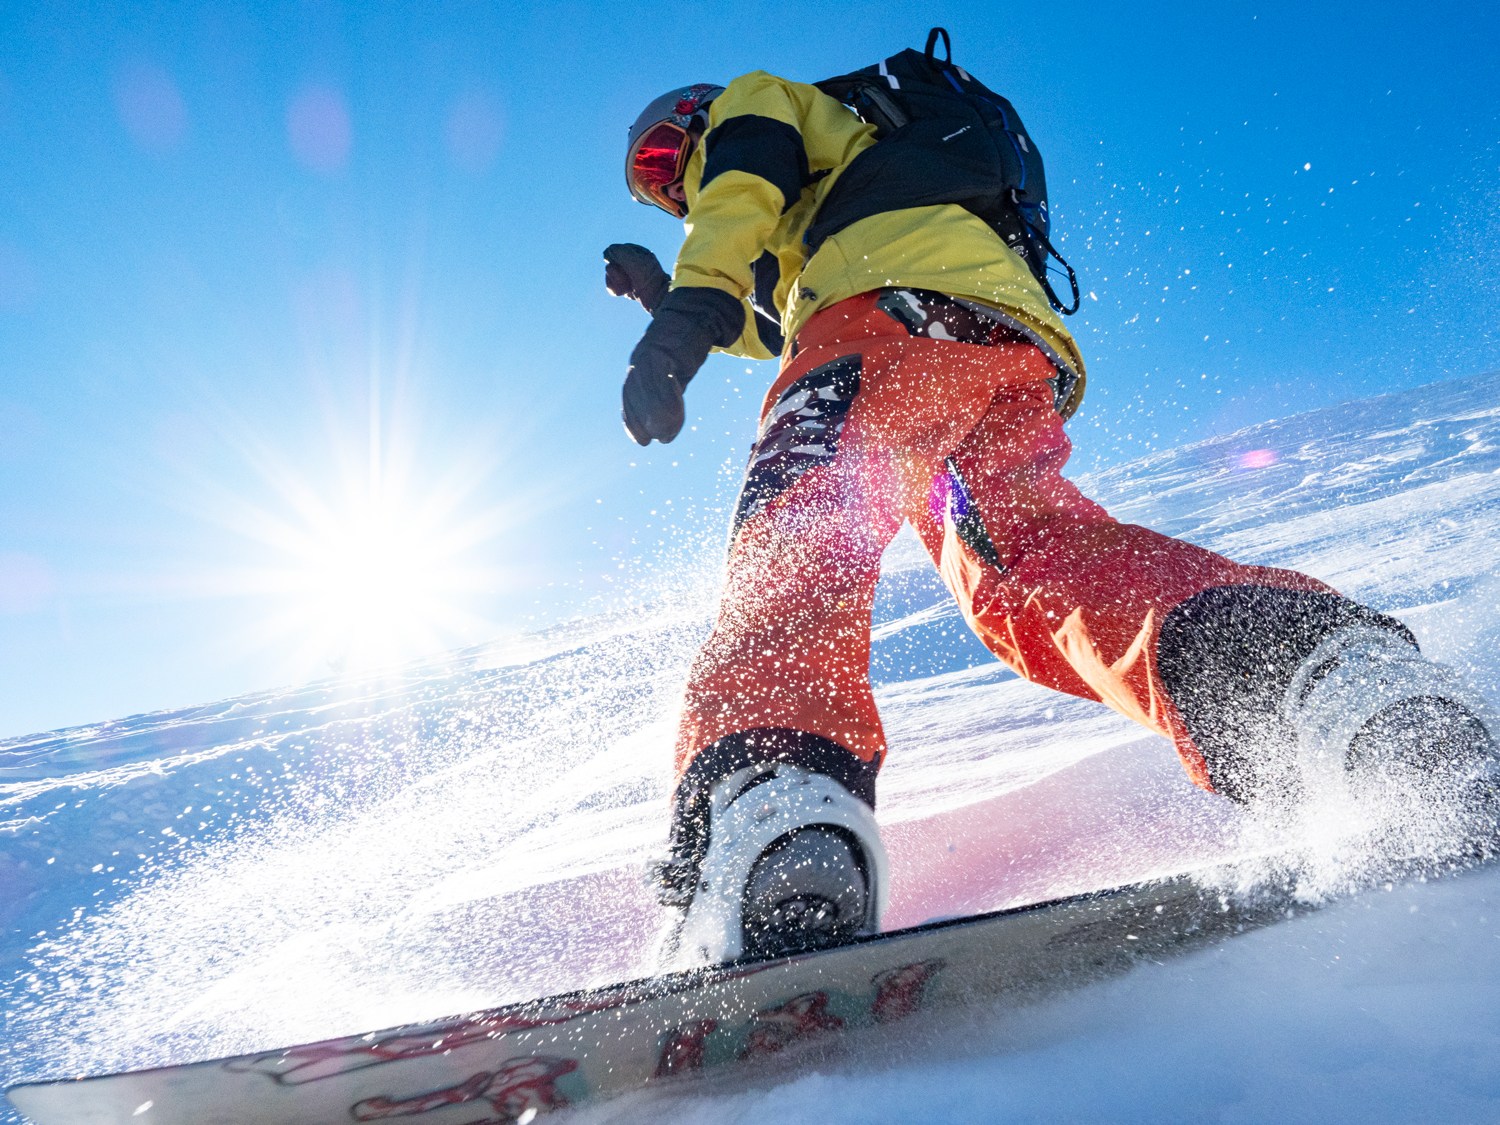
(944, 137)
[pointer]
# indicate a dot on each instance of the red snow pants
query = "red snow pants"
(868, 426)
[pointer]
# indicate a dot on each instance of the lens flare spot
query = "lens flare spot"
(27, 583)
(1256, 459)
(150, 106)
(473, 131)
(318, 129)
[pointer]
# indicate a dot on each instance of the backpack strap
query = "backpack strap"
(1040, 242)
(866, 95)
(1066, 310)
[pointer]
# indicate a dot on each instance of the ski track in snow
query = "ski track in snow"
(349, 855)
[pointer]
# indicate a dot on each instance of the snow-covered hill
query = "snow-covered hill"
(465, 831)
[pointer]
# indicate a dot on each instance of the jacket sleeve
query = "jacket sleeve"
(755, 342)
(752, 171)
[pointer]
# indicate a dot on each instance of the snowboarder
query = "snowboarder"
(925, 377)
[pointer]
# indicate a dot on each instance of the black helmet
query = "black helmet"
(662, 139)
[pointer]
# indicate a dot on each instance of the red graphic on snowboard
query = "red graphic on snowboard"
(525, 1084)
(899, 992)
(317, 1061)
(519, 1086)
(801, 1017)
(682, 1049)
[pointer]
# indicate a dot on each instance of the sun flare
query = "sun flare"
(372, 560)
(378, 582)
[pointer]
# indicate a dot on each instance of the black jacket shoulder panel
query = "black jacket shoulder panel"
(761, 146)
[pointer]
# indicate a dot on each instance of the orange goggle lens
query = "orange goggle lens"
(657, 162)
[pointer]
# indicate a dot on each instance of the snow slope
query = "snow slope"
(469, 830)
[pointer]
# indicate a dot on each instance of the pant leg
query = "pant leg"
(872, 425)
(1059, 590)
(784, 674)
(790, 647)
(862, 417)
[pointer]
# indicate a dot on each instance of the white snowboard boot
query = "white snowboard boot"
(1370, 710)
(794, 862)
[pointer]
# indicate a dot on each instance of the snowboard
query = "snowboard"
(508, 1064)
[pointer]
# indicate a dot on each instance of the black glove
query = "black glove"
(687, 324)
(633, 271)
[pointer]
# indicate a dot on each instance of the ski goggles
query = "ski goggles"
(656, 162)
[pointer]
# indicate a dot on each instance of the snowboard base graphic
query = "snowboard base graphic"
(508, 1064)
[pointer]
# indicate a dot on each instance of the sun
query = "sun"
(368, 554)
(377, 580)
(362, 525)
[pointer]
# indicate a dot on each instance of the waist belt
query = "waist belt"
(936, 316)
(939, 316)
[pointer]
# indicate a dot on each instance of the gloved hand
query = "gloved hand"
(688, 323)
(633, 271)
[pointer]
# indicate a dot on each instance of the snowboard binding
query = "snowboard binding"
(1378, 720)
(1367, 702)
(794, 862)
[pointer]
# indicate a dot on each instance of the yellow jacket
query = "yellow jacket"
(771, 152)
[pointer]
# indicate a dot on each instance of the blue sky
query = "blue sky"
(304, 355)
